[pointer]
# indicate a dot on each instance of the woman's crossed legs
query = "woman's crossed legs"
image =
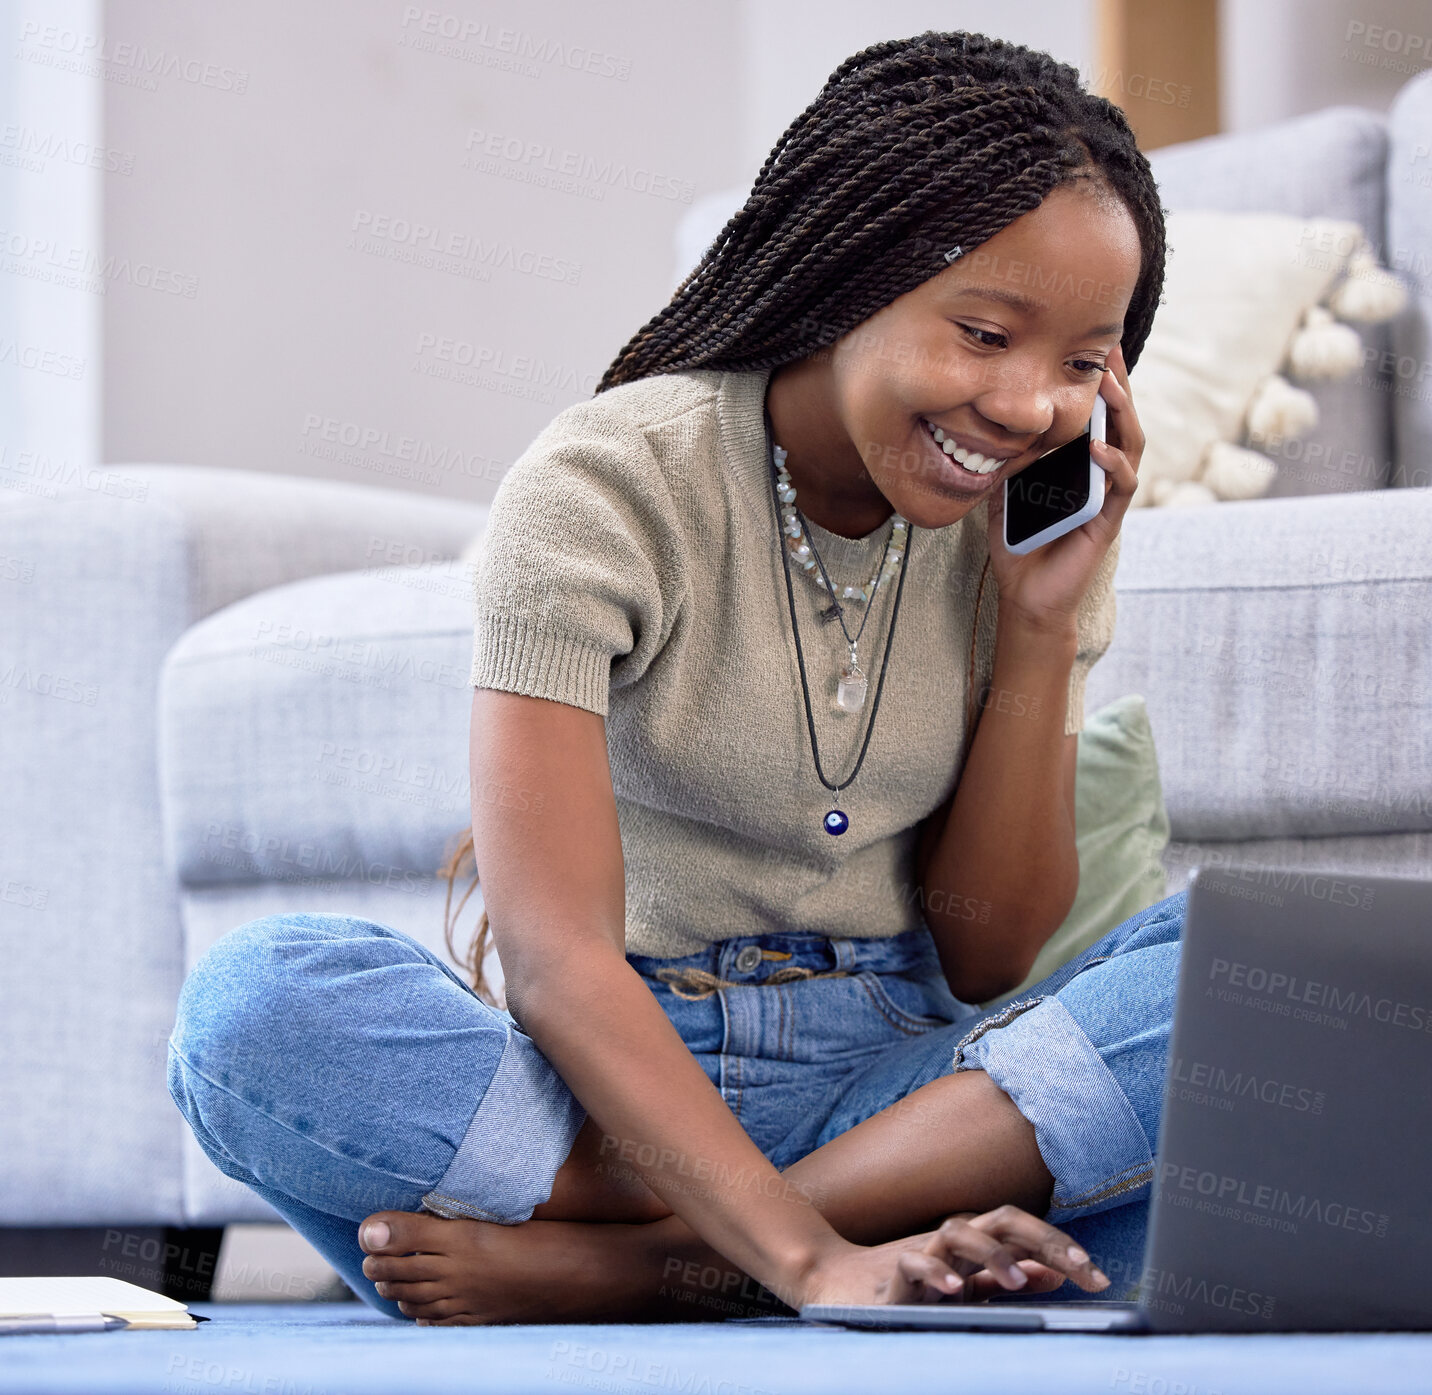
(331, 1064)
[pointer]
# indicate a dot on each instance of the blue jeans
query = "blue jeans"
(337, 1067)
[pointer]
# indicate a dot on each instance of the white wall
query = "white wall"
(52, 276)
(312, 322)
(1282, 58)
(281, 337)
(295, 343)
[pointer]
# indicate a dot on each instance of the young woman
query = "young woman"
(771, 788)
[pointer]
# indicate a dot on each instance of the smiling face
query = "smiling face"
(1002, 351)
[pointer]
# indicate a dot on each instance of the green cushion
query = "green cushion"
(1121, 827)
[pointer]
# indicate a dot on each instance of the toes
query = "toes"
(404, 1268)
(399, 1232)
(442, 1311)
(415, 1294)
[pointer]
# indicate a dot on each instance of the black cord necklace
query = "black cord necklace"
(836, 821)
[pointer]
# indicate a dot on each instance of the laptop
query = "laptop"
(1289, 1190)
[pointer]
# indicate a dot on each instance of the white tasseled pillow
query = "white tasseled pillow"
(1248, 297)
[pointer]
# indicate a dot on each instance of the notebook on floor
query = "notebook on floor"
(87, 1295)
(1288, 1190)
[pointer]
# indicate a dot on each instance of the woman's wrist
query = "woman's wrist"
(798, 1266)
(1021, 630)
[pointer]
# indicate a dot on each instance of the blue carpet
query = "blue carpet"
(345, 1349)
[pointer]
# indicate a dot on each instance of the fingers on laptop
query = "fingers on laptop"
(974, 1255)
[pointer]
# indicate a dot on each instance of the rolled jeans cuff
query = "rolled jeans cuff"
(1086, 1129)
(517, 1141)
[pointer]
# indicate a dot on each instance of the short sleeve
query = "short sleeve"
(577, 576)
(1095, 621)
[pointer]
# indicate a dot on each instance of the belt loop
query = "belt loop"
(844, 951)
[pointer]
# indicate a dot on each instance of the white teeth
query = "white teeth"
(973, 461)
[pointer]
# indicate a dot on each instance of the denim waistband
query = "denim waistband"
(776, 956)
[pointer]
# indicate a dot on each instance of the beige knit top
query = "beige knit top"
(631, 566)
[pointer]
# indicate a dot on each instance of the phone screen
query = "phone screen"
(1053, 487)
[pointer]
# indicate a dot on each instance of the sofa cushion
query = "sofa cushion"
(1237, 287)
(1329, 164)
(1121, 831)
(320, 730)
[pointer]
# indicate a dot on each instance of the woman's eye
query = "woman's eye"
(974, 331)
(993, 340)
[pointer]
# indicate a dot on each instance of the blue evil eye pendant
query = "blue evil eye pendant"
(836, 822)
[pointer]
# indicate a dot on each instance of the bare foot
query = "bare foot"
(462, 1272)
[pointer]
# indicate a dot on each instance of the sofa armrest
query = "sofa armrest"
(1284, 648)
(243, 531)
(97, 583)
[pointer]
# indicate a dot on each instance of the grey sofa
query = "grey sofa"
(227, 693)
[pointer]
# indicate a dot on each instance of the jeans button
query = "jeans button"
(747, 959)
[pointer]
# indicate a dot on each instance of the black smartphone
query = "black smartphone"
(1057, 493)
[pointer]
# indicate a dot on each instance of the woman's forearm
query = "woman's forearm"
(956, 1144)
(1003, 872)
(599, 1025)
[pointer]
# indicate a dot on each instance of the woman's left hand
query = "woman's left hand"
(1045, 586)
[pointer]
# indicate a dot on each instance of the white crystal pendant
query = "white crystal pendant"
(851, 688)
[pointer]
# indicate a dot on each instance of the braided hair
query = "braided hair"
(912, 147)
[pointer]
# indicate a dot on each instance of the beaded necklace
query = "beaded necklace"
(850, 694)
